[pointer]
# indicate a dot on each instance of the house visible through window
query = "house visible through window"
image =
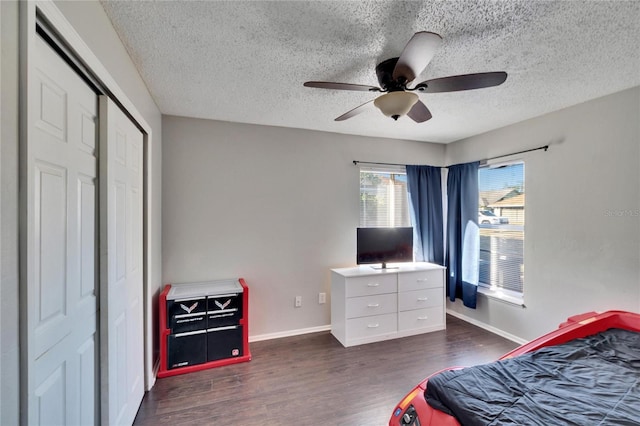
(501, 218)
(383, 197)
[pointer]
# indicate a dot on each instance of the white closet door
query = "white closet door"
(121, 255)
(60, 242)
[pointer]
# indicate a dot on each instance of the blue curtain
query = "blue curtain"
(463, 234)
(424, 185)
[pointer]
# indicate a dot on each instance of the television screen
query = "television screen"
(383, 245)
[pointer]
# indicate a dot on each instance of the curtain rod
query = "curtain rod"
(545, 147)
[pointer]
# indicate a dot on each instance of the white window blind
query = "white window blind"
(501, 218)
(383, 197)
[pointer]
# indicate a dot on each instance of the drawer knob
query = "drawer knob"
(423, 318)
(373, 325)
(373, 305)
(373, 285)
(422, 299)
(422, 280)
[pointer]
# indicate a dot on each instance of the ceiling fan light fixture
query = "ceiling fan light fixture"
(396, 104)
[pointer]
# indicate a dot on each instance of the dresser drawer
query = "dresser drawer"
(421, 318)
(418, 299)
(372, 305)
(420, 279)
(371, 326)
(371, 284)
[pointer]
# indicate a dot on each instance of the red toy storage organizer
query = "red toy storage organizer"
(166, 332)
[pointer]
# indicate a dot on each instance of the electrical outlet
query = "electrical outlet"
(298, 303)
(322, 298)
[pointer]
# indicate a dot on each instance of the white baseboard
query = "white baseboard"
(289, 333)
(487, 327)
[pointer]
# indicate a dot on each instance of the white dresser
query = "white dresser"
(369, 305)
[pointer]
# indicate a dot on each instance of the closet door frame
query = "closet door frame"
(30, 13)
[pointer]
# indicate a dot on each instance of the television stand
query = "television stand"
(384, 266)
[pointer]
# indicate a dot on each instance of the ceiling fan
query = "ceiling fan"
(394, 74)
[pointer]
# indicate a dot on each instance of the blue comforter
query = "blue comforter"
(588, 381)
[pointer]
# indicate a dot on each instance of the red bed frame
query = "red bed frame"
(574, 328)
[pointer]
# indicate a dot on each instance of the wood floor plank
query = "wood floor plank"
(313, 380)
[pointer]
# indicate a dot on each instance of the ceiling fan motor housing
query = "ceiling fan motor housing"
(384, 71)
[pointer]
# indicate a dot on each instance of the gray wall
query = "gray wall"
(276, 206)
(582, 243)
(9, 404)
(90, 21)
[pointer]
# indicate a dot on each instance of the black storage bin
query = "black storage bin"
(224, 309)
(186, 349)
(187, 314)
(224, 342)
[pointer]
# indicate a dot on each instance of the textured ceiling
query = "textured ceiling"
(245, 62)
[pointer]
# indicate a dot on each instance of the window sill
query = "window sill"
(502, 296)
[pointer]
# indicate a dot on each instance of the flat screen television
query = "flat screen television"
(384, 245)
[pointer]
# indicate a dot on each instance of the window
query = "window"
(501, 219)
(383, 197)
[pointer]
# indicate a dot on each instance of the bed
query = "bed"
(585, 372)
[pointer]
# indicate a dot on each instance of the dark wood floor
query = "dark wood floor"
(313, 380)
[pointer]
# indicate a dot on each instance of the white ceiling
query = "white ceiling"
(243, 61)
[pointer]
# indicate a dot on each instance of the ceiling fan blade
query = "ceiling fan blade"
(416, 55)
(419, 112)
(357, 110)
(456, 83)
(341, 86)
